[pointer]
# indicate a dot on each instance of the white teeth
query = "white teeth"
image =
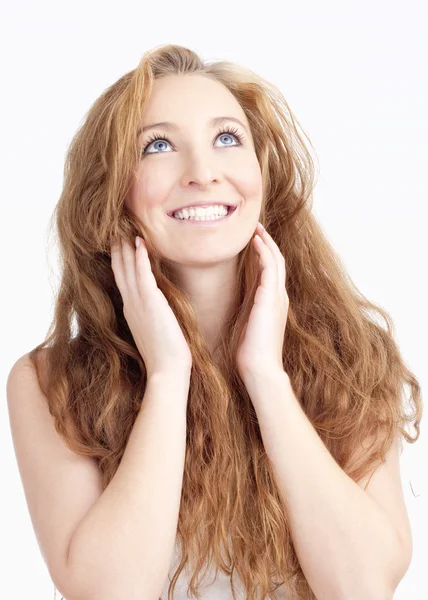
(209, 213)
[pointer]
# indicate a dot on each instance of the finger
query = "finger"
(271, 246)
(269, 275)
(279, 258)
(146, 281)
(128, 256)
(118, 267)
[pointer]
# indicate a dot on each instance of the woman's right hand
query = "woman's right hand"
(154, 327)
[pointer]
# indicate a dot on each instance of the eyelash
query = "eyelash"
(157, 136)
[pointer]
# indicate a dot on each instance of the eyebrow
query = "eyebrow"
(175, 127)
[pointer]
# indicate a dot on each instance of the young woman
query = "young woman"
(214, 391)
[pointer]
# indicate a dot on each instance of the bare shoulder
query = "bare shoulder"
(23, 371)
(60, 486)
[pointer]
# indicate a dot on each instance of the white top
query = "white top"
(220, 589)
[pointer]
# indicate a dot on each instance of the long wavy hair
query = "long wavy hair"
(339, 348)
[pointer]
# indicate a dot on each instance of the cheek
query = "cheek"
(249, 181)
(150, 189)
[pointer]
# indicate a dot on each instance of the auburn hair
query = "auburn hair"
(339, 348)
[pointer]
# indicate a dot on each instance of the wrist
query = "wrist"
(171, 376)
(264, 376)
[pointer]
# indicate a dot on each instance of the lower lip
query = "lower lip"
(212, 223)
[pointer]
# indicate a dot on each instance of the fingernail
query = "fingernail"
(137, 241)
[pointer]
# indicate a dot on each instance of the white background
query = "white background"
(355, 76)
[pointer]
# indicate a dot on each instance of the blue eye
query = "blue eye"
(156, 137)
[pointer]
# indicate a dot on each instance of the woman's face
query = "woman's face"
(194, 162)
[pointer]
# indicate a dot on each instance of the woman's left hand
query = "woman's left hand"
(262, 339)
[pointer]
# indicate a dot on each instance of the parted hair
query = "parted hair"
(339, 348)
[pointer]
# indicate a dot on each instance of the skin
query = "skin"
(198, 162)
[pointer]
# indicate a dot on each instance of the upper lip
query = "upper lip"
(196, 203)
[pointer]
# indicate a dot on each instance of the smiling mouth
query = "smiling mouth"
(228, 206)
(230, 211)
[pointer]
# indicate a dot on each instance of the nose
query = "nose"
(200, 169)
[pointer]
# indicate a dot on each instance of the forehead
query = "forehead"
(185, 99)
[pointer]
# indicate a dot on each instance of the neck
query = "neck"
(212, 292)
